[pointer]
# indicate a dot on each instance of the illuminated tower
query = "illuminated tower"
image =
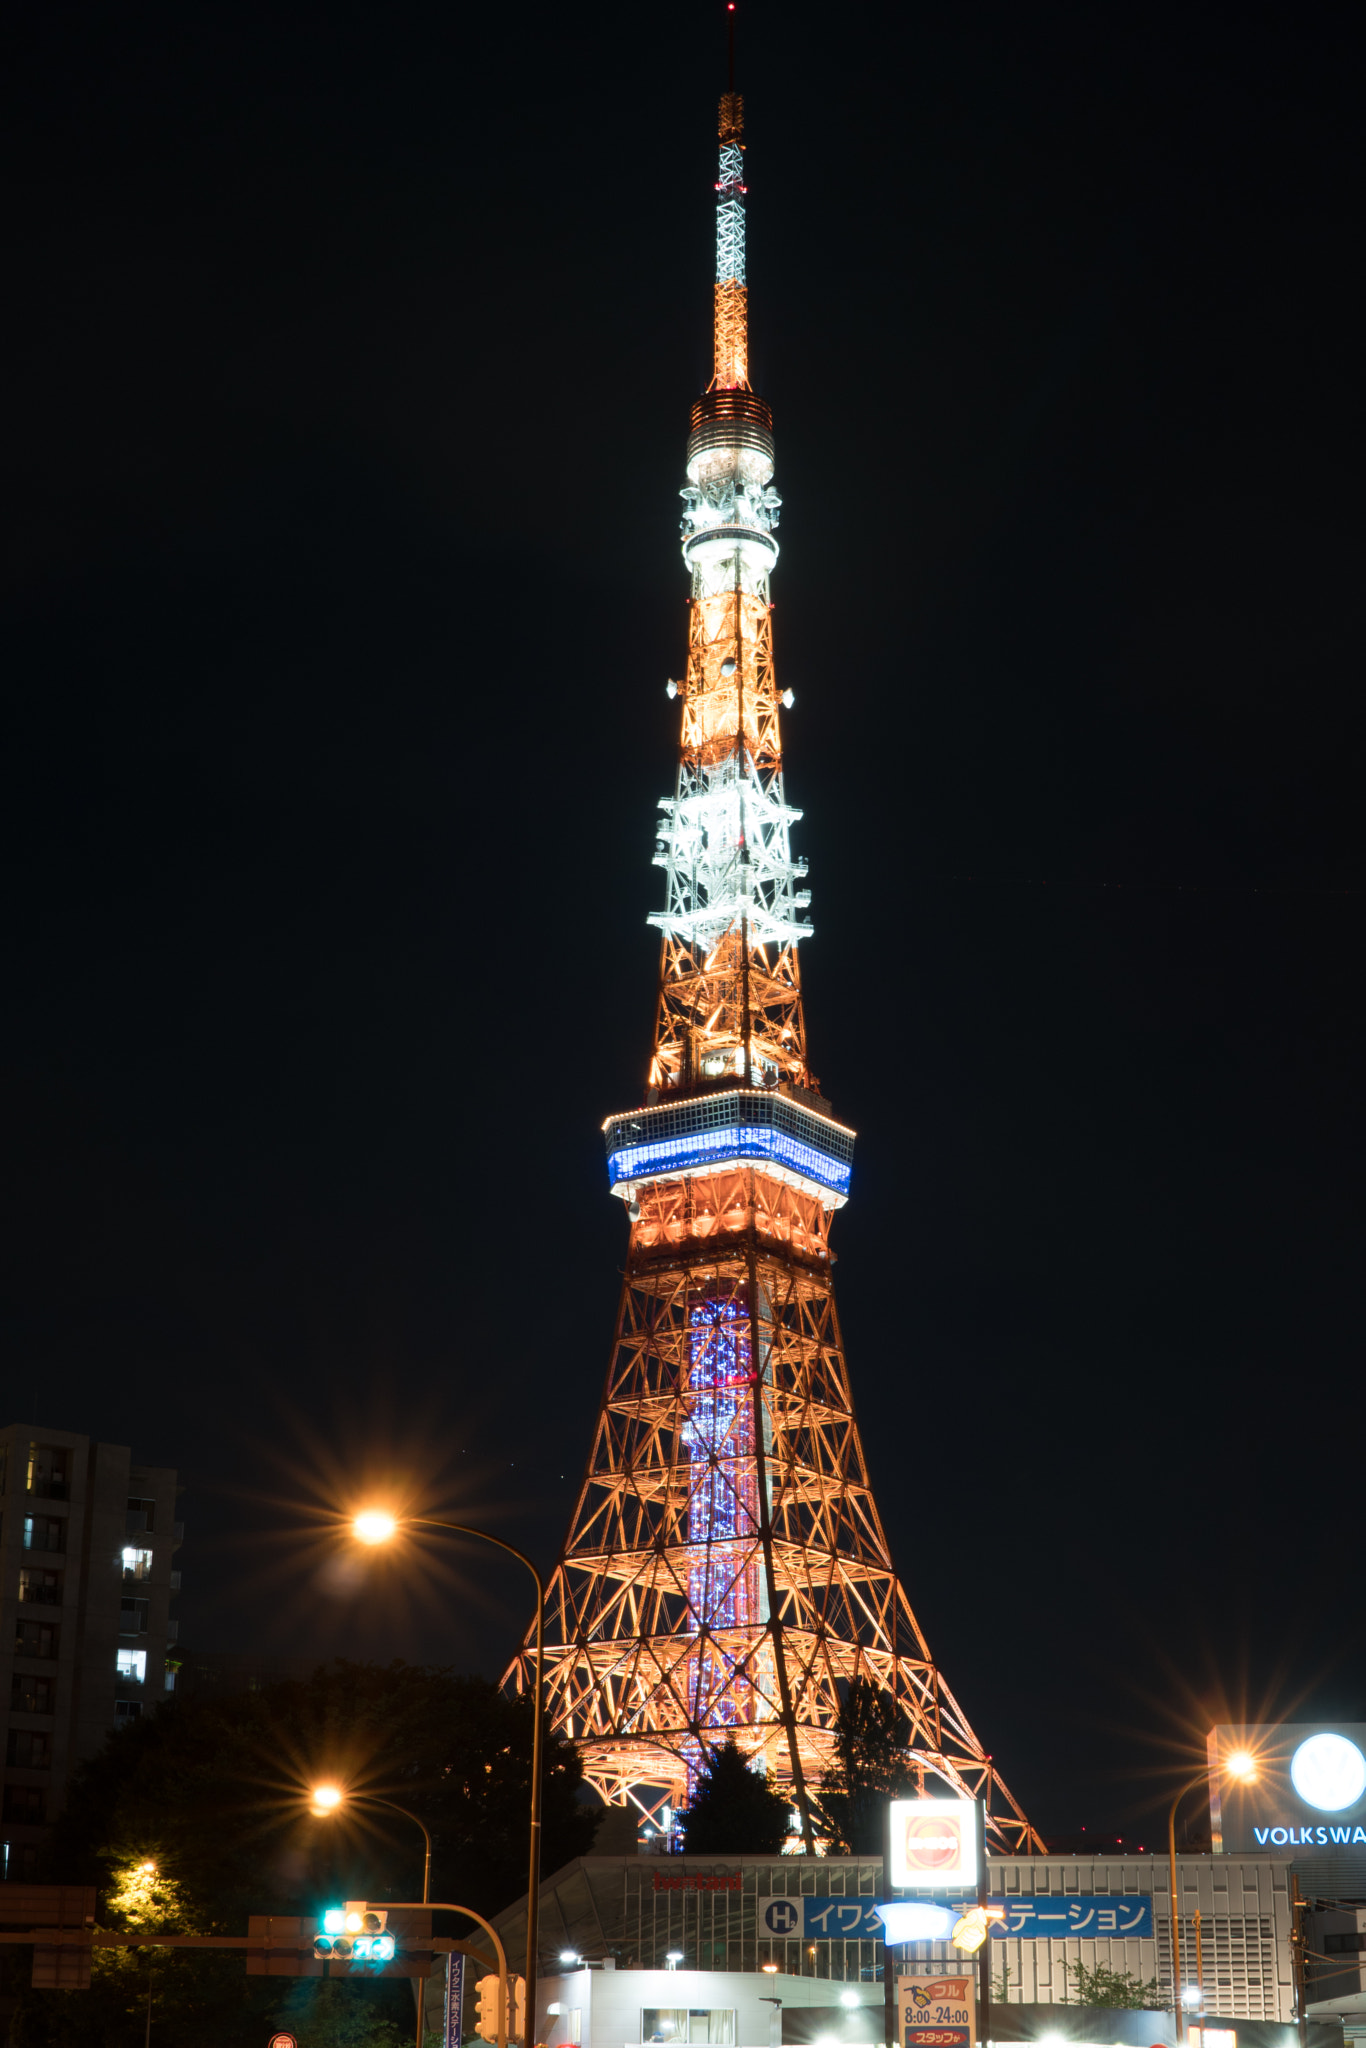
(725, 1568)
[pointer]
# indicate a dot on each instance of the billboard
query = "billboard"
(1309, 1792)
(936, 2012)
(933, 1845)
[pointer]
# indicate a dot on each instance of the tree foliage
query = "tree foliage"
(734, 1811)
(871, 1765)
(1112, 1988)
(212, 1792)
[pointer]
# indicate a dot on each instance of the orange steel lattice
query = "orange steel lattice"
(726, 1572)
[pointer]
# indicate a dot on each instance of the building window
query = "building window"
(19, 1862)
(1344, 1944)
(132, 1665)
(43, 1589)
(44, 1532)
(29, 1750)
(141, 1517)
(49, 1471)
(29, 1695)
(36, 1639)
(127, 1710)
(133, 1617)
(26, 1804)
(137, 1564)
(672, 2024)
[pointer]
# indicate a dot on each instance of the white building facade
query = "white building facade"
(747, 1930)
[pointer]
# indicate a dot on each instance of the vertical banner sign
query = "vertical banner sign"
(937, 2012)
(455, 2001)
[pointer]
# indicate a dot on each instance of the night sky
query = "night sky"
(349, 353)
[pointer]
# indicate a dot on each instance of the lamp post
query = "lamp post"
(325, 1800)
(1243, 1766)
(376, 1527)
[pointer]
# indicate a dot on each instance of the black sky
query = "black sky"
(349, 353)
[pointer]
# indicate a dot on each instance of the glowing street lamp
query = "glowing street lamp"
(1242, 1765)
(375, 1526)
(325, 1799)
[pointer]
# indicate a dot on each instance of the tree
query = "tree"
(211, 1791)
(734, 1810)
(871, 1765)
(1112, 1987)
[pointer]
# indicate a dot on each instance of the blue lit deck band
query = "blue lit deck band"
(707, 1132)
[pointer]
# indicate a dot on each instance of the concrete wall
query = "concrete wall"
(610, 2002)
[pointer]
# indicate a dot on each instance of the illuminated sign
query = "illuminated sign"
(936, 2012)
(1095, 1916)
(934, 1844)
(829, 1919)
(1099, 1916)
(1308, 1791)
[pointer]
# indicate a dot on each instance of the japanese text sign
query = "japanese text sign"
(829, 1919)
(937, 2012)
(1059, 1919)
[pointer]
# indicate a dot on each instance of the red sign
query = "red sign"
(283, 2041)
(695, 1881)
(934, 1842)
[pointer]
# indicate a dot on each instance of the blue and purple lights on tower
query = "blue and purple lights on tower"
(723, 1507)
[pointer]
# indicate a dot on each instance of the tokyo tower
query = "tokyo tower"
(726, 1573)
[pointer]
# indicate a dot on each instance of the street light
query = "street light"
(1242, 1765)
(376, 1526)
(326, 1800)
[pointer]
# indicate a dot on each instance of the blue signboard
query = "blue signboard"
(1097, 1918)
(454, 2001)
(852, 1919)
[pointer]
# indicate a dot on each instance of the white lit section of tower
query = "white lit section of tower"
(729, 988)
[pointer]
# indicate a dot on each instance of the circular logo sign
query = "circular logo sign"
(283, 2041)
(1329, 1772)
(782, 1917)
(933, 1842)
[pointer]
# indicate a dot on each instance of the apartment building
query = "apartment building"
(87, 1539)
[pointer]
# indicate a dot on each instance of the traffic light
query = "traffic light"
(354, 1933)
(486, 2016)
(517, 2017)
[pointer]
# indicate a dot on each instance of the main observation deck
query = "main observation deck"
(707, 1133)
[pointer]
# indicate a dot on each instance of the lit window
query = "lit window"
(132, 1665)
(674, 2025)
(137, 1564)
